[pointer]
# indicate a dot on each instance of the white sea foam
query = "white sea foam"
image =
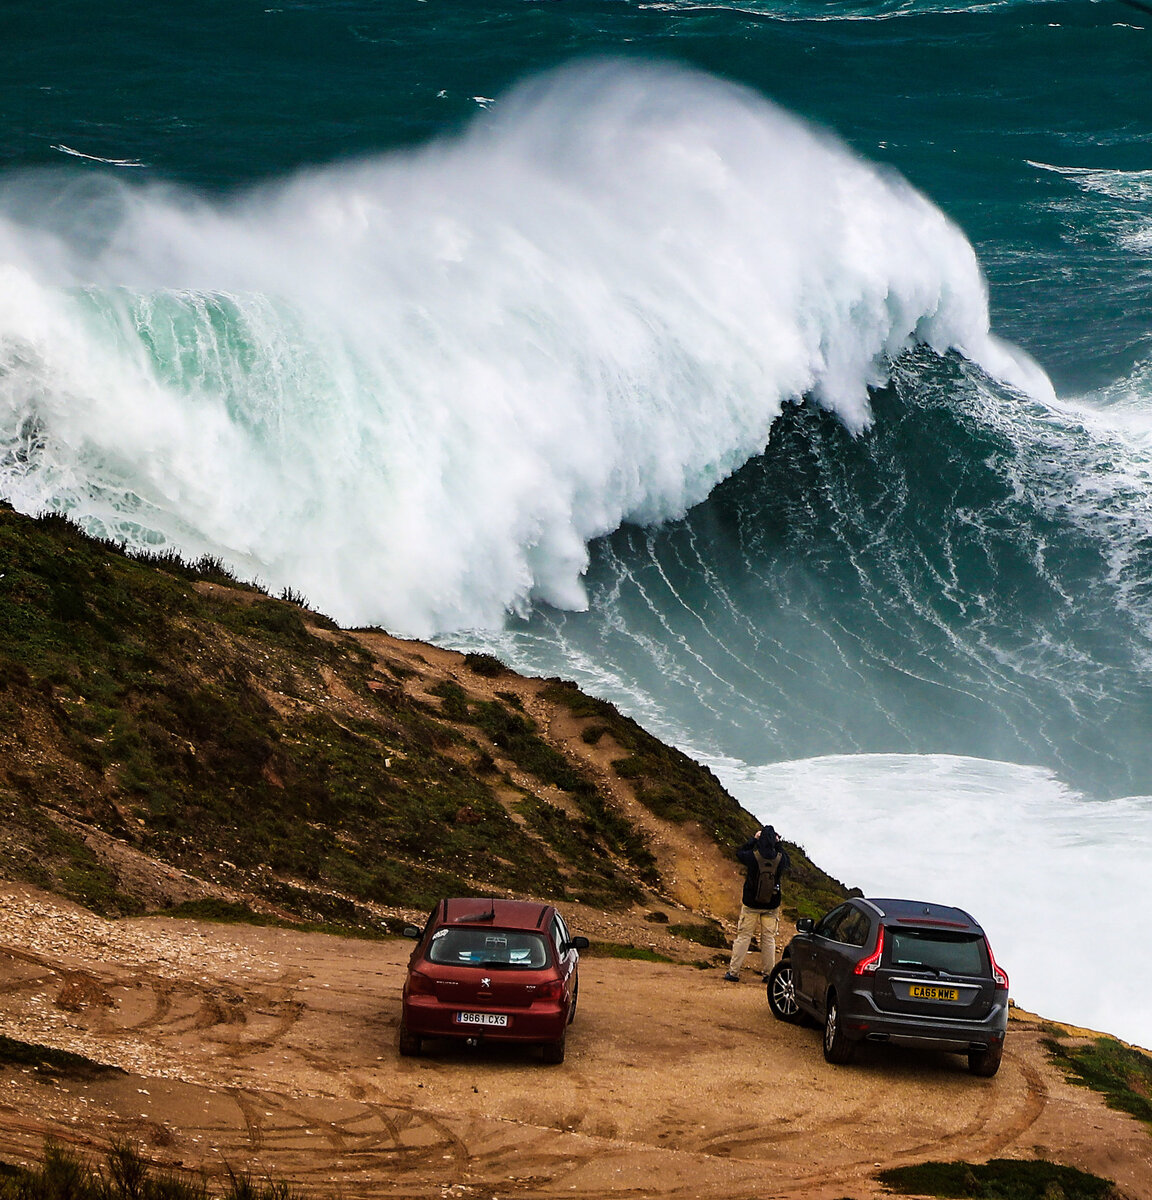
(415, 387)
(111, 162)
(1127, 216)
(1051, 876)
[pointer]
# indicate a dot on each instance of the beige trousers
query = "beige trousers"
(764, 925)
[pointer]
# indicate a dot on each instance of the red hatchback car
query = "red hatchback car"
(499, 970)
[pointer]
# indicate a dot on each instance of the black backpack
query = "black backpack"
(768, 879)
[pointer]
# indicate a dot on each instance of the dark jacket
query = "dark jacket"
(769, 846)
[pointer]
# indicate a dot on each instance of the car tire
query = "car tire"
(553, 1052)
(782, 993)
(837, 1048)
(986, 1063)
(409, 1042)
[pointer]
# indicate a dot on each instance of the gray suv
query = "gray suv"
(897, 971)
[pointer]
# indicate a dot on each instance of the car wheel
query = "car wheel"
(986, 1062)
(782, 993)
(409, 1042)
(553, 1052)
(837, 1048)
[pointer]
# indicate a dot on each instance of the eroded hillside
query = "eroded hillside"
(174, 740)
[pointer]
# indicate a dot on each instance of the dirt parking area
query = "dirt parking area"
(275, 1052)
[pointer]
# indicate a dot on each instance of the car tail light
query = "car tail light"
(866, 966)
(999, 976)
(553, 990)
(420, 985)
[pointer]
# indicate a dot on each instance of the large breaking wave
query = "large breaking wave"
(415, 387)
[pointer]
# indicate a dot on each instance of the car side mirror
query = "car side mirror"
(805, 925)
(577, 943)
(411, 931)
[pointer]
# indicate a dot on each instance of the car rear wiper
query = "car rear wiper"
(919, 966)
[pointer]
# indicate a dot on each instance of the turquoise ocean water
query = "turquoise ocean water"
(781, 371)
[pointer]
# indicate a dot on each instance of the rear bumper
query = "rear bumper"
(543, 1022)
(864, 1021)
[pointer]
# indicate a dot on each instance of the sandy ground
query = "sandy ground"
(271, 1051)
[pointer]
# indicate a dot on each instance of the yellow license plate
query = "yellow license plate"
(923, 991)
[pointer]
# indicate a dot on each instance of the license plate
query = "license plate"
(923, 991)
(467, 1018)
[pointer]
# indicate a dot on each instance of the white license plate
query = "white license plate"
(467, 1018)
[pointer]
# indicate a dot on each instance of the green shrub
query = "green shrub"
(629, 768)
(455, 704)
(125, 1175)
(1000, 1179)
(484, 664)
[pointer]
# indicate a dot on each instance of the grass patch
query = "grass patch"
(711, 934)
(124, 1175)
(515, 734)
(621, 950)
(1000, 1179)
(1121, 1074)
(227, 912)
(39, 851)
(223, 912)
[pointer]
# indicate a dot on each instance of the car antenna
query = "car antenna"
(490, 915)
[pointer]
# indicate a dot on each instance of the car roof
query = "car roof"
(922, 912)
(495, 914)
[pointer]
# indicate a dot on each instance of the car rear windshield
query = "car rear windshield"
(937, 950)
(488, 947)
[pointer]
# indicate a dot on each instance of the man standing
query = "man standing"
(765, 860)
